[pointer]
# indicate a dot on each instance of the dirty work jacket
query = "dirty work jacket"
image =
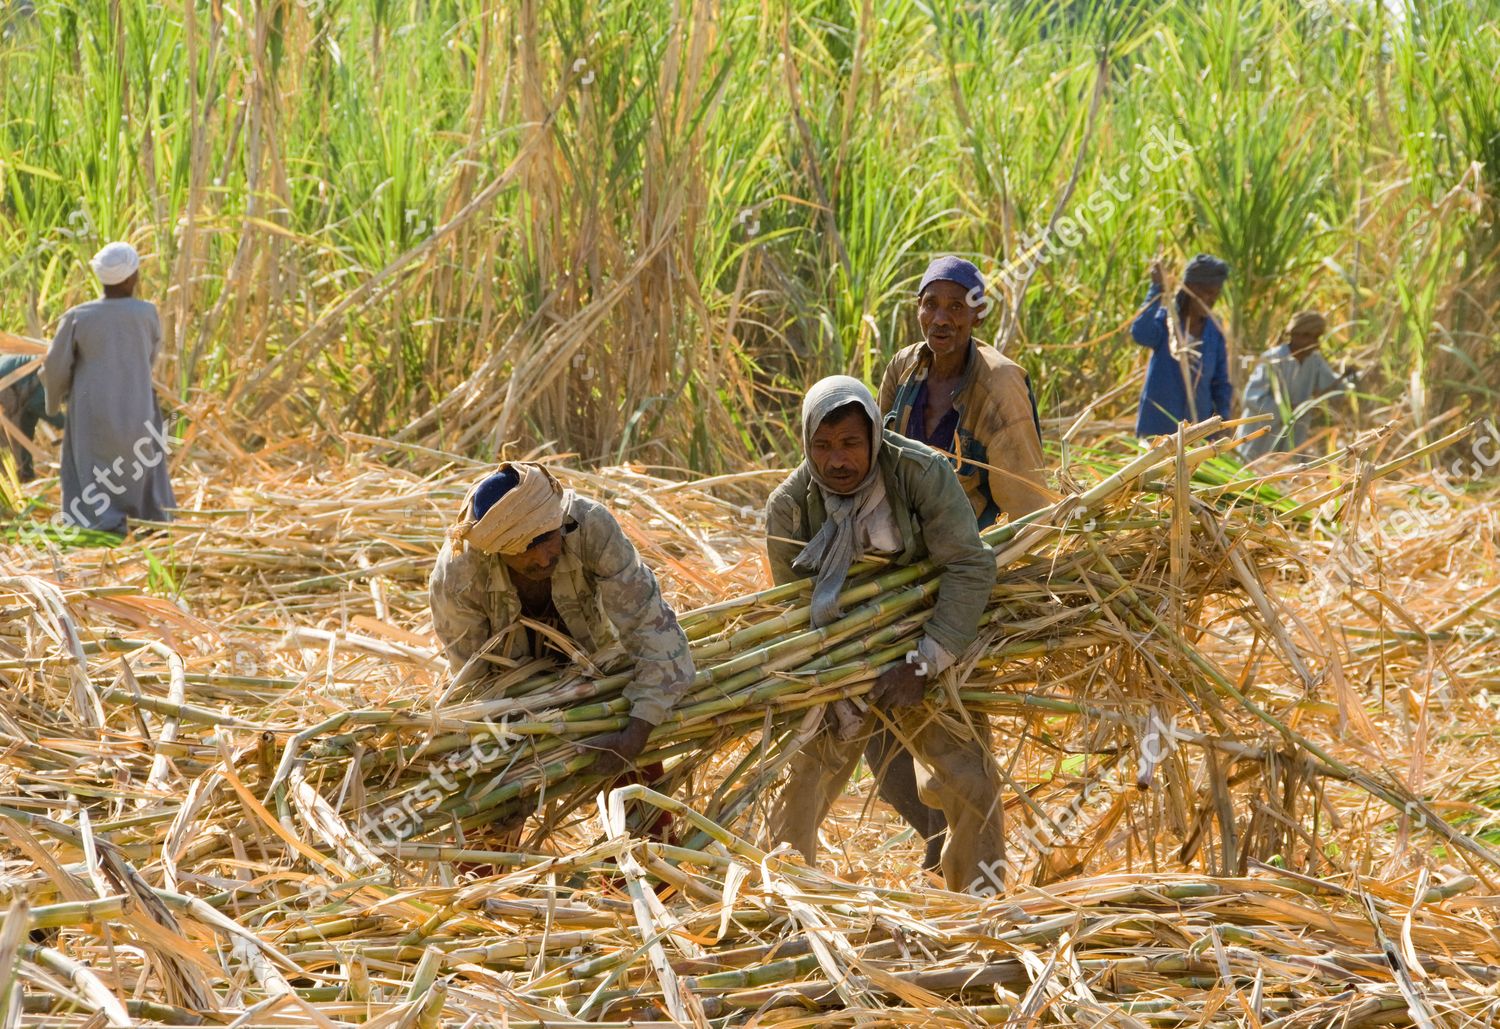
(602, 590)
(997, 426)
(934, 519)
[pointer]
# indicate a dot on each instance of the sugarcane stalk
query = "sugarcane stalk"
(1404, 803)
(99, 909)
(100, 998)
(1390, 467)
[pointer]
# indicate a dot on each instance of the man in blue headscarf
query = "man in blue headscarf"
(1187, 378)
(524, 547)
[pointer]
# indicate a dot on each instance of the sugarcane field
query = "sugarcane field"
(535, 513)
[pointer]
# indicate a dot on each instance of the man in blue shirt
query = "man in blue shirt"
(1187, 378)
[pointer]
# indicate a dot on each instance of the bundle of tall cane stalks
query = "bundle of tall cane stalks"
(1102, 592)
(1111, 579)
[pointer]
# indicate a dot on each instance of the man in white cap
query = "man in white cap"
(114, 465)
(525, 548)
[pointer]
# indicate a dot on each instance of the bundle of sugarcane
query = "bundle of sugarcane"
(1113, 574)
(146, 812)
(1121, 566)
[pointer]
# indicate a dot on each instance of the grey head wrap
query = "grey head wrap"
(832, 549)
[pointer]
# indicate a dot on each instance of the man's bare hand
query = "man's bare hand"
(1158, 275)
(901, 686)
(618, 750)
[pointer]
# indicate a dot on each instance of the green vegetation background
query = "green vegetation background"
(635, 227)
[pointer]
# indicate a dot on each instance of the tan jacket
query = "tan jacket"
(997, 426)
(603, 592)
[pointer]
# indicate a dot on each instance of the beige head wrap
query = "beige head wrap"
(1307, 321)
(533, 507)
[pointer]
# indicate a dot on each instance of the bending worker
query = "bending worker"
(861, 491)
(527, 548)
(1289, 382)
(967, 400)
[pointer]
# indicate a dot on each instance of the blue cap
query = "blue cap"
(953, 269)
(491, 490)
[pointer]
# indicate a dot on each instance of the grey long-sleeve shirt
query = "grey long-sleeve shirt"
(114, 459)
(1280, 386)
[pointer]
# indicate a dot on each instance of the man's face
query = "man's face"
(539, 560)
(1205, 294)
(840, 450)
(1303, 342)
(946, 317)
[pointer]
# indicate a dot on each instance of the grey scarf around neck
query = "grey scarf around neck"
(835, 545)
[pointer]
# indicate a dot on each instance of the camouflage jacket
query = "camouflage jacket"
(934, 520)
(603, 592)
(997, 426)
(24, 397)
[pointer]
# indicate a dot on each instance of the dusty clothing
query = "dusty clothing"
(114, 459)
(1282, 387)
(602, 591)
(851, 515)
(934, 520)
(23, 403)
(993, 421)
(997, 425)
(895, 774)
(955, 772)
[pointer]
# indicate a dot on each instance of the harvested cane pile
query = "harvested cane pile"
(1107, 586)
(186, 847)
